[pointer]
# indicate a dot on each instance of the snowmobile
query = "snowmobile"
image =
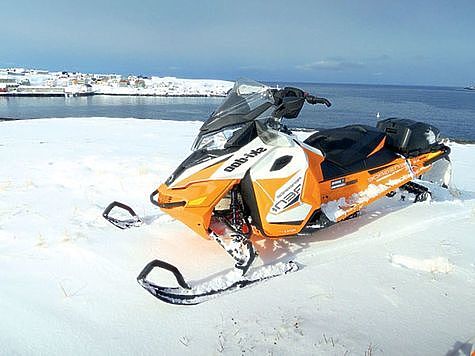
(249, 177)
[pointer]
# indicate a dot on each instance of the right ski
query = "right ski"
(201, 292)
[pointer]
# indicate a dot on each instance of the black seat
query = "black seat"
(346, 149)
(346, 145)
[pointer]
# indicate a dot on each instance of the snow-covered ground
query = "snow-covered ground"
(398, 280)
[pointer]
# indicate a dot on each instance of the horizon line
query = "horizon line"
(239, 77)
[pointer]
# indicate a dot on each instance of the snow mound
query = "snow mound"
(432, 265)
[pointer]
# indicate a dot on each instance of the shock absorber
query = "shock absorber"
(236, 219)
(232, 232)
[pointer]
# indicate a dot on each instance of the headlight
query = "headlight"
(215, 140)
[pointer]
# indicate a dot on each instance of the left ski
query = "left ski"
(133, 221)
(201, 292)
(122, 224)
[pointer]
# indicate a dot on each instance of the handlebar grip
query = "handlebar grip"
(311, 99)
(324, 101)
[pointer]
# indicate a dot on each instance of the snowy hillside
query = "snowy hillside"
(398, 280)
(21, 81)
(168, 86)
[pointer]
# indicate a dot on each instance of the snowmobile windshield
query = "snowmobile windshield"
(246, 101)
(244, 98)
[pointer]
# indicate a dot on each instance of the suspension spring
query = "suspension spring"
(235, 209)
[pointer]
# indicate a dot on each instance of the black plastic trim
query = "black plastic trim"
(383, 157)
(249, 198)
(446, 152)
(376, 170)
(174, 204)
(280, 163)
(198, 157)
(288, 223)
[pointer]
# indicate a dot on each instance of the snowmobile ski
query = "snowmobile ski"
(187, 294)
(123, 224)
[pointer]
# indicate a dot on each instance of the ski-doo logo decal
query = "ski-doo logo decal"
(341, 183)
(338, 183)
(289, 196)
(386, 172)
(240, 161)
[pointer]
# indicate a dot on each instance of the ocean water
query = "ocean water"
(452, 110)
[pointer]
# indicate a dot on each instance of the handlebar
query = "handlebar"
(289, 101)
(311, 99)
(294, 93)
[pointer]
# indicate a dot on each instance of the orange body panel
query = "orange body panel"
(200, 199)
(313, 177)
(397, 172)
(378, 147)
(387, 178)
(199, 194)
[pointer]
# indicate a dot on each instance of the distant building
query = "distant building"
(8, 84)
(40, 90)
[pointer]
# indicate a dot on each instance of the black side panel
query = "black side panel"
(198, 157)
(249, 198)
(383, 156)
(280, 163)
(332, 170)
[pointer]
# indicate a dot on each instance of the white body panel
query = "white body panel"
(259, 157)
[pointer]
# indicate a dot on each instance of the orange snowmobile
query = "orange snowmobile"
(249, 176)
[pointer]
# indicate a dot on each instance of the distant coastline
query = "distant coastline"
(22, 82)
(59, 95)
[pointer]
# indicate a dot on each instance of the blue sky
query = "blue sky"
(382, 42)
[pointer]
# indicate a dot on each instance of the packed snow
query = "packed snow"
(337, 208)
(432, 265)
(397, 280)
